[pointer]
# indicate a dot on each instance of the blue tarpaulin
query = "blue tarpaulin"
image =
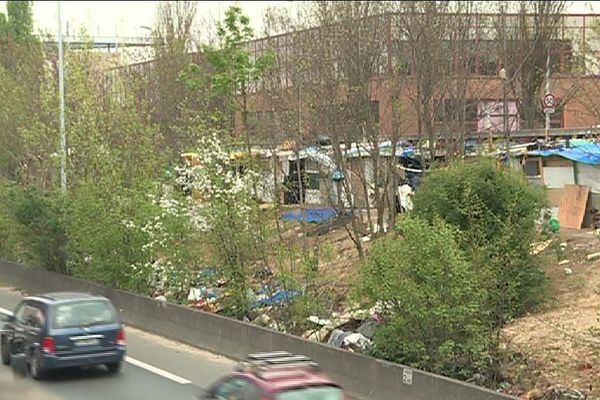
(279, 297)
(586, 153)
(311, 215)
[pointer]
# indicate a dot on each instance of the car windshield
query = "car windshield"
(83, 313)
(312, 393)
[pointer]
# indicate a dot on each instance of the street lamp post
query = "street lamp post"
(61, 91)
(502, 75)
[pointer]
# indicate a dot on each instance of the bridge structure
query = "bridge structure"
(107, 43)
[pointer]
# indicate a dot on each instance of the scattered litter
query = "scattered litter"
(280, 296)
(337, 338)
(568, 271)
(365, 239)
(202, 293)
(593, 256)
(194, 294)
(539, 247)
(317, 335)
(262, 320)
(319, 321)
(564, 262)
(560, 392)
(161, 298)
(368, 329)
(356, 342)
(563, 245)
(534, 394)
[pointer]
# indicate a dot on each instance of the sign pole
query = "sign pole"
(547, 92)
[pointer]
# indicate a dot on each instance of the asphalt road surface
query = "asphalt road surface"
(155, 369)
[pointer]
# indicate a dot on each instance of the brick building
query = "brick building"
(575, 81)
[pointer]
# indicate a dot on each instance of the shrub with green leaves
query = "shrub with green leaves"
(432, 306)
(36, 226)
(495, 210)
(134, 239)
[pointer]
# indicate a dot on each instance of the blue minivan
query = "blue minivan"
(64, 329)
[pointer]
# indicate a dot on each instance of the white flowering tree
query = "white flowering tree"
(227, 215)
(167, 264)
(135, 239)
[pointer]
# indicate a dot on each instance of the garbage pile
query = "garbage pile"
(352, 331)
(558, 392)
(209, 292)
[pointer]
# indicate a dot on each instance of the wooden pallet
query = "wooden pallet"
(573, 205)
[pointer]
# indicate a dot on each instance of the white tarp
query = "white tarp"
(589, 175)
(558, 177)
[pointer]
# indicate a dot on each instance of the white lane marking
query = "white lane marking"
(157, 371)
(137, 363)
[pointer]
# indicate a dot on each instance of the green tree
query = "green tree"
(3, 26)
(21, 76)
(495, 210)
(236, 72)
(432, 303)
(38, 220)
(20, 19)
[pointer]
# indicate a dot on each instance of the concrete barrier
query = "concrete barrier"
(366, 378)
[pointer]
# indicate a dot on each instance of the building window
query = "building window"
(313, 180)
(532, 168)
(491, 116)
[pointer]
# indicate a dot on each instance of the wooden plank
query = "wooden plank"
(572, 207)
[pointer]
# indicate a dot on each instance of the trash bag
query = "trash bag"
(553, 225)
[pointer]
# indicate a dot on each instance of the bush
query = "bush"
(129, 238)
(36, 227)
(432, 305)
(495, 210)
(11, 231)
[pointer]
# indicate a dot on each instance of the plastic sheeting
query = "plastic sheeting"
(311, 215)
(586, 153)
(588, 176)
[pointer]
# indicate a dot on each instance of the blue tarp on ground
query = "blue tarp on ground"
(586, 153)
(311, 215)
(279, 297)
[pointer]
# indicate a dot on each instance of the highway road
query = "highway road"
(156, 369)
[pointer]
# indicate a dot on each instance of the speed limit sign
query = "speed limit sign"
(549, 100)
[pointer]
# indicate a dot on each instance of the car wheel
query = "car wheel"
(35, 368)
(4, 350)
(114, 368)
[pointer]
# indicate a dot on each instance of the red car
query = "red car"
(276, 375)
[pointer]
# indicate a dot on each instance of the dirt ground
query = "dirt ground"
(339, 267)
(561, 342)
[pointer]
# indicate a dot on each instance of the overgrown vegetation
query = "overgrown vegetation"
(432, 303)
(460, 268)
(495, 210)
(448, 278)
